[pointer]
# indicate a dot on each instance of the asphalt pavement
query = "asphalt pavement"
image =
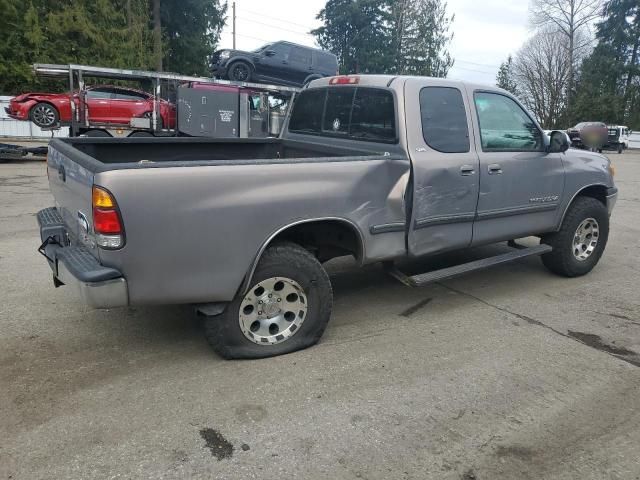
(508, 373)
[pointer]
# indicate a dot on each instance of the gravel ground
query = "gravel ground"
(509, 373)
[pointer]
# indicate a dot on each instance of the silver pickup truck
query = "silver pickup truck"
(383, 168)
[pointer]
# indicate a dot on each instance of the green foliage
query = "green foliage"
(110, 33)
(387, 36)
(506, 78)
(609, 84)
(191, 30)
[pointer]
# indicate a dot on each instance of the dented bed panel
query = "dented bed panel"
(193, 232)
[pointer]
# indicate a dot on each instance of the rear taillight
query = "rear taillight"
(107, 223)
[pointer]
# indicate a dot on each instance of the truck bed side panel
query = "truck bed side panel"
(193, 232)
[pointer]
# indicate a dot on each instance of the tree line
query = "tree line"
(179, 37)
(580, 64)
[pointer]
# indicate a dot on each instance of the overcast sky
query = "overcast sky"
(485, 31)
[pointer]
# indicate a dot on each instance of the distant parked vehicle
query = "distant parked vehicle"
(279, 62)
(618, 138)
(105, 104)
(589, 135)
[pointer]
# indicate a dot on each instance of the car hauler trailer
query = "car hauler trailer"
(199, 106)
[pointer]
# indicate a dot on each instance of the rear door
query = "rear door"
(445, 166)
(126, 104)
(300, 64)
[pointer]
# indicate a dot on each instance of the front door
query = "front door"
(520, 183)
(98, 104)
(445, 166)
(273, 63)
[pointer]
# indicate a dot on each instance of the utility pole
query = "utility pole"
(234, 24)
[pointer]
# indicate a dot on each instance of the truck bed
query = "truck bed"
(102, 154)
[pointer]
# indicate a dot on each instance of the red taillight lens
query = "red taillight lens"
(106, 222)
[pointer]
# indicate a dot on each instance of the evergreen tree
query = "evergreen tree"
(506, 77)
(387, 36)
(609, 86)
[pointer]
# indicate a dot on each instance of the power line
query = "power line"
(274, 26)
(262, 15)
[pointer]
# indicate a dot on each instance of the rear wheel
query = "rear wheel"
(286, 309)
(240, 71)
(44, 115)
(580, 242)
(620, 148)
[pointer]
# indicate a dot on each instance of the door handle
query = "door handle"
(466, 170)
(494, 169)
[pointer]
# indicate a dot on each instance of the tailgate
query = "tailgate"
(71, 184)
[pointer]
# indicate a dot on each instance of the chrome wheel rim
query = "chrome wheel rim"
(44, 115)
(273, 311)
(585, 239)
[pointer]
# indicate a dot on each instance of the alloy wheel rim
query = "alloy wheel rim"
(44, 115)
(273, 311)
(241, 72)
(585, 239)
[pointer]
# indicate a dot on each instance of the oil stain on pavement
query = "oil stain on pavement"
(220, 447)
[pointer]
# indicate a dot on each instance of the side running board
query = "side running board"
(457, 270)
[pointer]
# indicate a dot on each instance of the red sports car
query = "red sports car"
(105, 104)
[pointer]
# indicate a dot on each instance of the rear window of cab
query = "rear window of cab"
(357, 113)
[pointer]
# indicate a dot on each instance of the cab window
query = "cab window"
(444, 119)
(505, 126)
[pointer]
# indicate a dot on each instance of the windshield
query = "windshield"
(262, 48)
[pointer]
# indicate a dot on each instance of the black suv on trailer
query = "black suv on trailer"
(279, 62)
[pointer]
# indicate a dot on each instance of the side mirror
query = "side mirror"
(269, 53)
(559, 142)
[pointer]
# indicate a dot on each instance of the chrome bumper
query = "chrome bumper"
(98, 286)
(106, 294)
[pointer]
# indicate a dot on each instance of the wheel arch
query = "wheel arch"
(343, 237)
(596, 190)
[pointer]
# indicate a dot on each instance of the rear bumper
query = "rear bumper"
(612, 197)
(97, 285)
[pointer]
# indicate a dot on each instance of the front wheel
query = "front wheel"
(286, 309)
(240, 71)
(44, 115)
(580, 242)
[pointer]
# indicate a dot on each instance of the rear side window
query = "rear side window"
(444, 119)
(358, 113)
(326, 62)
(300, 55)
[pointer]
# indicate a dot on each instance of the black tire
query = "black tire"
(620, 149)
(562, 260)
(44, 115)
(98, 134)
(141, 135)
(288, 260)
(240, 71)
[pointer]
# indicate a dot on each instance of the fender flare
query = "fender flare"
(244, 287)
(575, 195)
